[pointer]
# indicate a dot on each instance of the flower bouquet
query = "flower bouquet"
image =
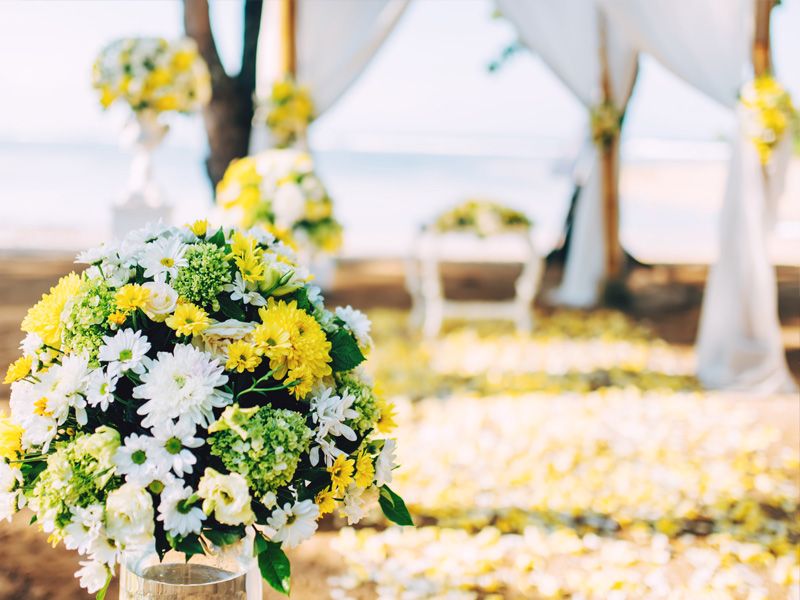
(152, 76)
(190, 392)
(279, 189)
(287, 112)
(482, 218)
(771, 114)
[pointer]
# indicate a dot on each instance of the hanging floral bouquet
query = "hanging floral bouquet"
(482, 218)
(287, 112)
(279, 189)
(771, 114)
(605, 120)
(188, 390)
(152, 74)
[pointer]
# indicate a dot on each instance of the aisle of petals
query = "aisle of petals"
(643, 487)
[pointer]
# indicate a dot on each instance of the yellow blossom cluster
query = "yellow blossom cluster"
(289, 111)
(152, 74)
(771, 111)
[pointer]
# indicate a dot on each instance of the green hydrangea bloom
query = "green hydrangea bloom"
(78, 473)
(206, 272)
(264, 447)
(366, 403)
(87, 321)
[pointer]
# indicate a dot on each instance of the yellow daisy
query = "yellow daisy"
(365, 470)
(341, 474)
(131, 296)
(19, 369)
(188, 319)
(325, 501)
(199, 227)
(242, 357)
(44, 318)
(10, 438)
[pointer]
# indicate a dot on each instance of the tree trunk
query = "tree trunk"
(229, 115)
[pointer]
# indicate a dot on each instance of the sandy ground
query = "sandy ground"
(666, 298)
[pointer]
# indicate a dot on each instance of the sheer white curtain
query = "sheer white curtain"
(707, 43)
(564, 34)
(335, 40)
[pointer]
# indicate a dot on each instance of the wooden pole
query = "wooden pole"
(609, 167)
(288, 47)
(762, 60)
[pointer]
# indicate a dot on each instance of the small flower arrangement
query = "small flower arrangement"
(771, 112)
(288, 112)
(279, 189)
(152, 74)
(605, 120)
(482, 218)
(189, 390)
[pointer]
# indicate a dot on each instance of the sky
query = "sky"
(428, 83)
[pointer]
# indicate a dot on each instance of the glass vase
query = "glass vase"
(230, 575)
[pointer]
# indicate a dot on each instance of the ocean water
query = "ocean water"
(59, 197)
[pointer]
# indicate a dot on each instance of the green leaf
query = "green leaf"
(393, 507)
(223, 538)
(301, 297)
(189, 545)
(231, 309)
(274, 565)
(218, 239)
(345, 353)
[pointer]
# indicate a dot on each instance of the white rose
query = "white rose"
(227, 496)
(289, 205)
(161, 302)
(218, 335)
(129, 515)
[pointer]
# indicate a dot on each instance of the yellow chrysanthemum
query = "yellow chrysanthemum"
(188, 319)
(242, 357)
(272, 341)
(18, 369)
(325, 501)
(10, 438)
(341, 474)
(307, 360)
(131, 296)
(386, 424)
(365, 470)
(199, 227)
(44, 318)
(251, 266)
(117, 318)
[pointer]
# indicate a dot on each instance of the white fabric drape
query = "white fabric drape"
(335, 40)
(707, 43)
(565, 35)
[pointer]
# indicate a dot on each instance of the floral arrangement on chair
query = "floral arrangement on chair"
(279, 189)
(186, 391)
(771, 111)
(483, 218)
(152, 74)
(605, 120)
(288, 112)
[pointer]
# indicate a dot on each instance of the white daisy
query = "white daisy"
(244, 291)
(93, 575)
(140, 459)
(179, 519)
(182, 385)
(31, 344)
(385, 463)
(104, 549)
(83, 528)
(124, 351)
(175, 439)
(358, 323)
(294, 524)
(163, 257)
(39, 427)
(100, 388)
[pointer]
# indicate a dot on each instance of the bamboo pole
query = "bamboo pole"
(288, 47)
(609, 167)
(762, 60)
